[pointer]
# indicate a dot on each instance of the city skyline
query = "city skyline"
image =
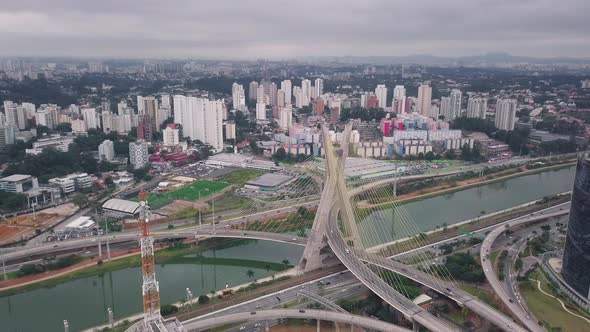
(256, 29)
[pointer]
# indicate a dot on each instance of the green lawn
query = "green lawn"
(241, 176)
(189, 192)
(481, 294)
(549, 310)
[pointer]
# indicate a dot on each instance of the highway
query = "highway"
(497, 285)
(274, 314)
(54, 247)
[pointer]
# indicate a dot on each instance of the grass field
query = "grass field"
(190, 192)
(549, 310)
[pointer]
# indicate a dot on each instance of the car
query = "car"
(242, 328)
(302, 311)
(253, 313)
(347, 251)
(257, 325)
(258, 306)
(511, 300)
(294, 239)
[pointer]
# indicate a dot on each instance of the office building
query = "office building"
(106, 150)
(576, 256)
(138, 154)
(505, 114)
(424, 101)
(477, 107)
(381, 93)
(288, 89)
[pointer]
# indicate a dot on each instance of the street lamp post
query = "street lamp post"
(111, 316)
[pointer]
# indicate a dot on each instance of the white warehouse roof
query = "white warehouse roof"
(121, 205)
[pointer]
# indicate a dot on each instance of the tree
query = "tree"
(203, 299)
(250, 273)
(280, 154)
(464, 267)
(285, 262)
(168, 309)
(64, 127)
(450, 155)
(80, 200)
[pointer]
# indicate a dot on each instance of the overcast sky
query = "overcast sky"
(282, 29)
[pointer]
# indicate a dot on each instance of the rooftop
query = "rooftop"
(121, 205)
(270, 180)
(16, 178)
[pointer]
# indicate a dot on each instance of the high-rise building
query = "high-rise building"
(252, 90)
(576, 255)
(281, 98)
(106, 150)
(288, 89)
(180, 106)
(306, 91)
(7, 135)
(79, 126)
(230, 130)
(150, 107)
(121, 107)
(298, 95)
(424, 101)
(381, 93)
(138, 154)
(477, 107)
(171, 135)
(285, 118)
(238, 97)
(165, 101)
(89, 115)
(455, 104)
(140, 105)
(319, 87)
(260, 111)
(12, 115)
(505, 114)
(399, 92)
(318, 108)
(202, 120)
(107, 121)
(272, 94)
(445, 108)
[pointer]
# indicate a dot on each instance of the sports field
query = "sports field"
(189, 192)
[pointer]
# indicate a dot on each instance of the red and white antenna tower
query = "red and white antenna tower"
(150, 287)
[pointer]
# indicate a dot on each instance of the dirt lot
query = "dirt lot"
(23, 227)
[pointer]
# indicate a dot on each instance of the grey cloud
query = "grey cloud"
(279, 28)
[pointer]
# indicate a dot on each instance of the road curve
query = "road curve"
(272, 314)
(486, 247)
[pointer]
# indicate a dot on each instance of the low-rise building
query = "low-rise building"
(60, 143)
(120, 208)
(72, 182)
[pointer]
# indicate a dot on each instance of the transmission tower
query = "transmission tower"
(150, 287)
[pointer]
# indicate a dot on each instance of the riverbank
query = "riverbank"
(443, 189)
(131, 258)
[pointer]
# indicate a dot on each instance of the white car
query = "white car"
(242, 327)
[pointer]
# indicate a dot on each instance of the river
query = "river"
(430, 213)
(84, 302)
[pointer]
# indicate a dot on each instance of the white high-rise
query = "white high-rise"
(107, 121)
(180, 106)
(89, 115)
(445, 108)
(285, 118)
(477, 107)
(306, 91)
(171, 136)
(505, 114)
(424, 101)
(281, 99)
(455, 104)
(203, 120)
(165, 101)
(399, 92)
(140, 109)
(319, 87)
(287, 88)
(381, 93)
(238, 97)
(106, 150)
(260, 111)
(298, 95)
